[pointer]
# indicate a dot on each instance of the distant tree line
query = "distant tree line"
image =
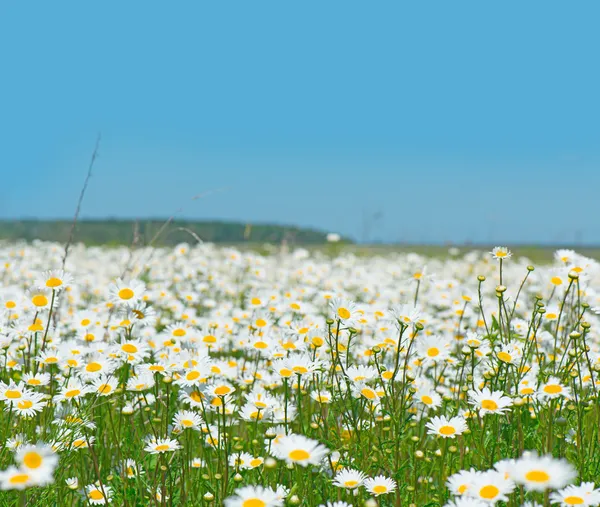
(123, 232)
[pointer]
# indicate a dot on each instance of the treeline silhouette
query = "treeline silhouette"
(143, 232)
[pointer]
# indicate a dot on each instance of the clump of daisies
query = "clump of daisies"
(34, 466)
(207, 375)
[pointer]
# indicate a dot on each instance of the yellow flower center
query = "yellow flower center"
(343, 313)
(489, 405)
(126, 294)
(105, 389)
(368, 393)
(193, 375)
(25, 404)
(19, 479)
(428, 400)
(222, 390)
(447, 430)
(54, 282)
(489, 492)
(12, 394)
(130, 348)
(553, 389)
(93, 367)
(260, 323)
(537, 476)
(299, 455)
(39, 300)
(317, 341)
(350, 484)
(162, 447)
(573, 500)
(72, 393)
(433, 351)
(209, 339)
(179, 332)
(504, 356)
(380, 488)
(32, 460)
(96, 494)
(254, 502)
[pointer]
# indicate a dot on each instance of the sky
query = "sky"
(384, 121)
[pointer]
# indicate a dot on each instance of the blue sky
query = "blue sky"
(454, 121)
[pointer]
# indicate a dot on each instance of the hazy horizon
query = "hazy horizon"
(360, 240)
